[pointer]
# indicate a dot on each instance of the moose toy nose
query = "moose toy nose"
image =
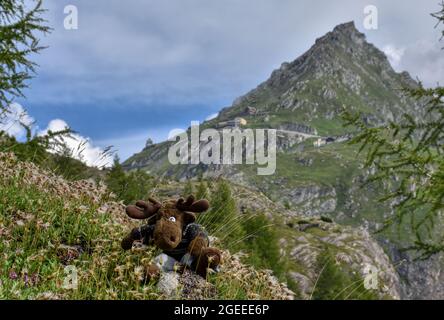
(173, 239)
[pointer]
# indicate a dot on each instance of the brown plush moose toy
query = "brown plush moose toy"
(171, 228)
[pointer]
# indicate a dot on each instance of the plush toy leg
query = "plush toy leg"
(210, 258)
(204, 257)
(197, 245)
(214, 257)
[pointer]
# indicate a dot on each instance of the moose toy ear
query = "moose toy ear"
(142, 209)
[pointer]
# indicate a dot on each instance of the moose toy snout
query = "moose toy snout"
(167, 235)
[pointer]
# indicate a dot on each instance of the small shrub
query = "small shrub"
(337, 282)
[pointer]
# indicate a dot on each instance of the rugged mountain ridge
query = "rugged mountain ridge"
(303, 100)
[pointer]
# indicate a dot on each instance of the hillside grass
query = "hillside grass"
(43, 233)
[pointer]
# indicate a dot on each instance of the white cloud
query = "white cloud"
(424, 60)
(81, 147)
(174, 133)
(394, 54)
(13, 120)
(212, 116)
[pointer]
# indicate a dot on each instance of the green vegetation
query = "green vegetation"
(337, 282)
(128, 186)
(45, 229)
(253, 234)
(188, 189)
(35, 150)
(202, 190)
(262, 244)
(21, 25)
(19, 28)
(80, 223)
(223, 219)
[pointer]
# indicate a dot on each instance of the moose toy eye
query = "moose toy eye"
(172, 219)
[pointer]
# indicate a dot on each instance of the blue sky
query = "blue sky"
(136, 69)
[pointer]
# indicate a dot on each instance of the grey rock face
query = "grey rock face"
(188, 286)
(312, 200)
(422, 279)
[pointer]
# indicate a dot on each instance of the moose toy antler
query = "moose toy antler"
(172, 229)
(143, 210)
(192, 206)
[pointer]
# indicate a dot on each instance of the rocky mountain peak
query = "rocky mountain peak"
(348, 38)
(348, 29)
(344, 41)
(342, 59)
(342, 34)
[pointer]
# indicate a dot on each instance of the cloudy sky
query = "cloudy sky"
(138, 68)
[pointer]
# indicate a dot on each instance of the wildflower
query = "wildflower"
(138, 273)
(26, 279)
(35, 279)
(20, 223)
(13, 275)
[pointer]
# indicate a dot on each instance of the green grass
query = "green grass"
(32, 248)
